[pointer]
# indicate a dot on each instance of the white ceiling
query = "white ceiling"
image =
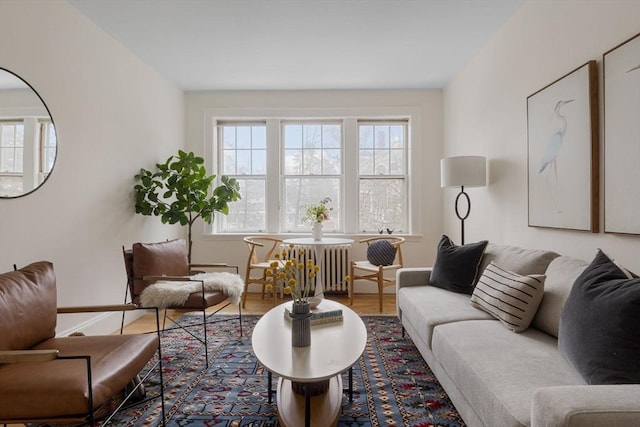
(302, 44)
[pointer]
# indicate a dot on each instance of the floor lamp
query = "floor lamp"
(463, 171)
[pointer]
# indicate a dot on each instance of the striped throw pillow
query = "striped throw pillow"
(509, 297)
(381, 252)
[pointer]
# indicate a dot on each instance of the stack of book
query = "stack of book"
(325, 312)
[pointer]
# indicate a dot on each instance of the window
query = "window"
(48, 147)
(11, 146)
(243, 156)
(382, 176)
(312, 170)
(284, 163)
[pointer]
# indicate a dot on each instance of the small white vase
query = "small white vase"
(317, 231)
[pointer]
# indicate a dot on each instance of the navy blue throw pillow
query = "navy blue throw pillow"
(457, 268)
(381, 252)
(599, 330)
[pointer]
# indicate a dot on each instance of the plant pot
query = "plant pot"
(300, 324)
(317, 231)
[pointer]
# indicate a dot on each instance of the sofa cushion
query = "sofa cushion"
(561, 273)
(509, 297)
(519, 260)
(28, 305)
(600, 324)
(426, 307)
(381, 252)
(457, 268)
(497, 371)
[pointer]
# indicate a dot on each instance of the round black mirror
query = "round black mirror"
(28, 142)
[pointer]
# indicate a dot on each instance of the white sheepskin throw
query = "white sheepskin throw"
(164, 294)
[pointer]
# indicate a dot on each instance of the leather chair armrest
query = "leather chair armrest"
(97, 308)
(210, 265)
(213, 265)
(19, 356)
(153, 278)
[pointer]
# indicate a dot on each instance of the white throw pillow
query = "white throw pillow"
(509, 297)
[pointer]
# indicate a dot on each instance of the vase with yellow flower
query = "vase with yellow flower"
(294, 277)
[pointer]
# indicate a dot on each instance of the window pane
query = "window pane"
(331, 136)
(299, 192)
(366, 162)
(228, 137)
(243, 137)
(332, 164)
(248, 213)
(259, 162)
(382, 162)
(366, 136)
(382, 205)
(312, 162)
(382, 136)
(243, 162)
(229, 162)
(312, 136)
(292, 162)
(397, 162)
(292, 136)
(259, 137)
(396, 134)
(6, 159)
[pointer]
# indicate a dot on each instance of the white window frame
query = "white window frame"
(350, 117)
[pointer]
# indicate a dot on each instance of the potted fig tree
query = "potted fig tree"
(179, 191)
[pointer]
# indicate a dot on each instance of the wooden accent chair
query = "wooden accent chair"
(147, 263)
(50, 379)
(376, 268)
(261, 256)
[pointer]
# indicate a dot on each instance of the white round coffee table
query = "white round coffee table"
(334, 348)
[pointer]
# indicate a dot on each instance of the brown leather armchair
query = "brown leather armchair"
(50, 379)
(147, 263)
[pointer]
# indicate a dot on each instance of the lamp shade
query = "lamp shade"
(468, 171)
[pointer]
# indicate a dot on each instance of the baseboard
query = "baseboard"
(102, 324)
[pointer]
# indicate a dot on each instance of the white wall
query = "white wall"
(419, 250)
(485, 114)
(113, 115)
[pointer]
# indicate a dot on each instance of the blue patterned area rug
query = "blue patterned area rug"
(393, 386)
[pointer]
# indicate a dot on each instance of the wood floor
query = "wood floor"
(362, 304)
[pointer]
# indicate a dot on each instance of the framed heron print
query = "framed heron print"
(563, 152)
(622, 138)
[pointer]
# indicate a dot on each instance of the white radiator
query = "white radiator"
(335, 266)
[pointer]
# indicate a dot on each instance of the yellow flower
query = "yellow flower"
(300, 266)
(288, 264)
(269, 273)
(292, 282)
(287, 290)
(274, 264)
(316, 268)
(268, 287)
(276, 255)
(282, 275)
(309, 263)
(347, 279)
(312, 275)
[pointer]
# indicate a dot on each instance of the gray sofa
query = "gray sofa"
(496, 377)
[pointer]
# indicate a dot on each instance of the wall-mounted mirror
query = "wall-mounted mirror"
(28, 143)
